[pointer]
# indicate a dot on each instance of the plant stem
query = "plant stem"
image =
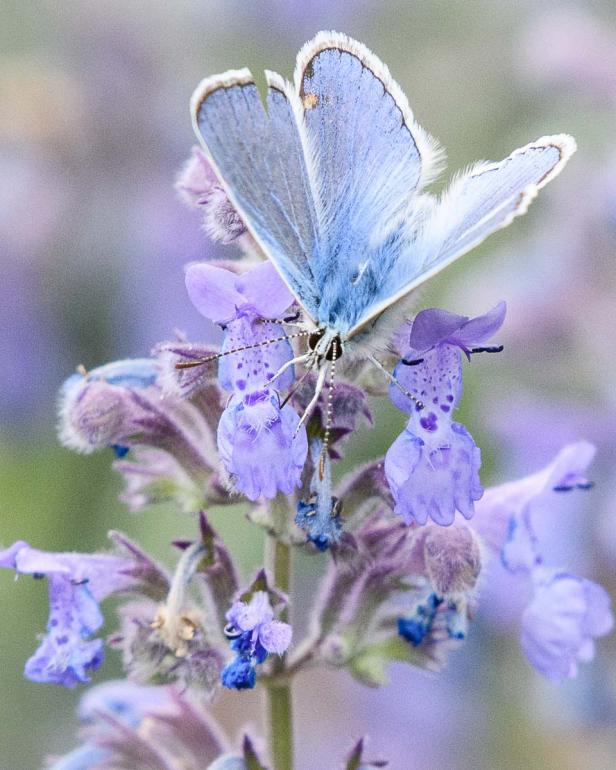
(278, 692)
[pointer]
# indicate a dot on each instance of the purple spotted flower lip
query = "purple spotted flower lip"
(259, 447)
(260, 444)
(77, 583)
(433, 466)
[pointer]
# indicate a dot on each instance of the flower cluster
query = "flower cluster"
(253, 635)
(566, 613)
(433, 466)
(198, 426)
(77, 583)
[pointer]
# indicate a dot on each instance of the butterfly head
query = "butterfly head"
(325, 344)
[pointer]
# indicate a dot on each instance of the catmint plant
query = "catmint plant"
(401, 544)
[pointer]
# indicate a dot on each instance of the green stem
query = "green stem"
(278, 693)
(280, 721)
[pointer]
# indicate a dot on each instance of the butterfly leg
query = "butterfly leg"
(313, 402)
(288, 364)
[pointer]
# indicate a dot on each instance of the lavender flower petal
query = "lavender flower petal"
(275, 636)
(433, 326)
(561, 622)
(264, 290)
(437, 327)
(258, 446)
(213, 292)
(77, 582)
(433, 481)
(499, 504)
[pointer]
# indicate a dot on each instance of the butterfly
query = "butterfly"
(328, 176)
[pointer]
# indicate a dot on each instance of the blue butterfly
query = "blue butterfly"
(328, 178)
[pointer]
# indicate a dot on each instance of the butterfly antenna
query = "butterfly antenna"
(419, 405)
(292, 320)
(313, 402)
(329, 413)
(216, 356)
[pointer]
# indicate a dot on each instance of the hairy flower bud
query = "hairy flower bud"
(199, 188)
(453, 559)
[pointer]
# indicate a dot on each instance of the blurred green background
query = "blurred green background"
(94, 125)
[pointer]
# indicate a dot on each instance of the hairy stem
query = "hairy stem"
(279, 697)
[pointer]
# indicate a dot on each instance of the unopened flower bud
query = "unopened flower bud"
(453, 559)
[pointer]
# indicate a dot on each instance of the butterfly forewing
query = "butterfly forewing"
(325, 177)
(260, 160)
(369, 157)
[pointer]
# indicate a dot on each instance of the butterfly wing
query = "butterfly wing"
(321, 178)
(485, 199)
(369, 157)
(260, 160)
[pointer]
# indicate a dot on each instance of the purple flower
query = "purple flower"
(561, 622)
(433, 466)
(199, 188)
(517, 500)
(260, 447)
(141, 728)
(77, 583)
(170, 442)
(126, 702)
(259, 443)
(96, 409)
(254, 634)
(565, 612)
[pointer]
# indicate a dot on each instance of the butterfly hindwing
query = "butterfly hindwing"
(485, 199)
(489, 196)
